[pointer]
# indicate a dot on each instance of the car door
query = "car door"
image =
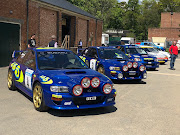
(29, 63)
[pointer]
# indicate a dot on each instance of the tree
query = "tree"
(170, 5)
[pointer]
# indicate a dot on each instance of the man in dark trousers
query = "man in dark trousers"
(173, 50)
(32, 41)
(53, 42)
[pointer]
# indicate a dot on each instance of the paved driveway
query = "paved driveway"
(149, 108)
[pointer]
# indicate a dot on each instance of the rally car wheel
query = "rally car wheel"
(10, 83)
(38, 99)
(101, 70)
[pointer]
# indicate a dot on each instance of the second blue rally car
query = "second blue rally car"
(113, 63)
(59, 79)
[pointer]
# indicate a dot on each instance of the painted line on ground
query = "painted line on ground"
(164, 74)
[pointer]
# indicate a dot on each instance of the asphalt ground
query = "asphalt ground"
(151, 107)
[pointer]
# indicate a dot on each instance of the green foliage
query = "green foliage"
(134, 16)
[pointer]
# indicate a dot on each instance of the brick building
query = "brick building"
(170, 27)
(21, 18)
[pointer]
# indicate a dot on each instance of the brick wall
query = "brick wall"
(82, 31)
(171, 34)
(92, 32)
(43, 22)
(168, 20)
(99, 33)
(18, 12)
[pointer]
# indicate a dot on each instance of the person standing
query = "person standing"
(32, 41)
(53, 42)
(80, 46)
(173, 50)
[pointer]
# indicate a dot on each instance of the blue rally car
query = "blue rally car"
(59, 79)
(138, 54)
(113, 63)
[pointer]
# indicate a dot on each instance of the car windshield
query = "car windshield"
(150, 50)
(112, 54)
(54, 60)
(136, 51)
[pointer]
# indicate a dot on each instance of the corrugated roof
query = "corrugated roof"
(68, 6)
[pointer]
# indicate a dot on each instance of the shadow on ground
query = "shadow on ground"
(82, 112)
(128, 82)
(79, 112)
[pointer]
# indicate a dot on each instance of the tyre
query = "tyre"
(10, 81)
(101, 70)
(38, 98)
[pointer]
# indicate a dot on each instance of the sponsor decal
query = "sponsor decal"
(56, 96)
(28, 78)
(46, 80)
(148, 58)
(68, 103)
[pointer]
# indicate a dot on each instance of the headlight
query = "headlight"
(114, 68)
(63, 89)
(135, 64)
(85, 82)
(107, 88)
(77, 90)
(125, 68)
(120, 75)
(95, 82)
(142, 68)
(129, 64)
(137, 59)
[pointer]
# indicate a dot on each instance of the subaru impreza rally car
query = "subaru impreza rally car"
(138, 54)
(113, 63)
(154, 53)
(59, 79)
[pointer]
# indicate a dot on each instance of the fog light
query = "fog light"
(120, 75)
(145, 75)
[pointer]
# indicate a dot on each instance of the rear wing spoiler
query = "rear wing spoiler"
(16, 53)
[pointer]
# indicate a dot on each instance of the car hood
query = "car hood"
(117, 62)
(71, 77)
(157, 55)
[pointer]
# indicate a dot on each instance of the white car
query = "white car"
(163, 52)
(162, 58)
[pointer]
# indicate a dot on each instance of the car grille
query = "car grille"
(148, 60)
(88, 90)
(132, 69)
(83, 101)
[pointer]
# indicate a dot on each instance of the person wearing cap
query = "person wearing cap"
(173, 50)
(53, 42)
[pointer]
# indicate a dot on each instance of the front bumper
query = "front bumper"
(151, 64)
(69, 102)
(129, 75)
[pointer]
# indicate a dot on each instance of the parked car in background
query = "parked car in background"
(59, 79)
(127, 40)
(154, 53)
(105, 39)
(163, 52)
(153, 45)
(140, 55)
(113, 63)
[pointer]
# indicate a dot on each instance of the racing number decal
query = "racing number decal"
(28, 78)
(93, 64)
(19, 75)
